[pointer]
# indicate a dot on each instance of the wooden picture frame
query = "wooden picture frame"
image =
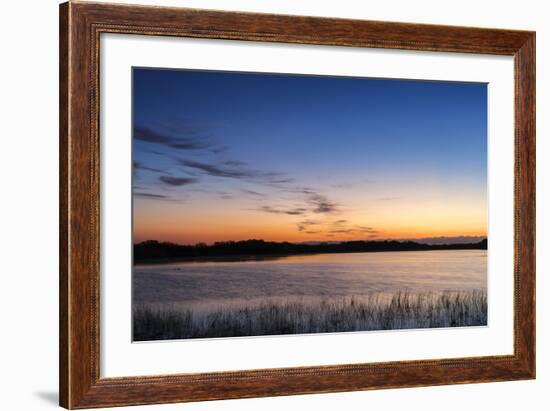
(80, 27)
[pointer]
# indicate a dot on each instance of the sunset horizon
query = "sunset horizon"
(438, 239)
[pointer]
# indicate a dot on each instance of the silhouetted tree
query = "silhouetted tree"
(155, 250)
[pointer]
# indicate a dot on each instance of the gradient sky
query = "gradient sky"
(232, 156)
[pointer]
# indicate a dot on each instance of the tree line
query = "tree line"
(154, 250)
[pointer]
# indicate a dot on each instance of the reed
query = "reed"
(356, 313)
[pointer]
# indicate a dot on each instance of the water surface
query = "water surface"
(312, 277)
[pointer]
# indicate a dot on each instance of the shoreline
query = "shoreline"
(264, 257)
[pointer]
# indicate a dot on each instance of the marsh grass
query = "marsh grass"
(357, 313)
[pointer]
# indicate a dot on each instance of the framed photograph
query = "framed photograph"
(258, 205)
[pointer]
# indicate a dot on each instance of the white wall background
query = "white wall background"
(28, 217)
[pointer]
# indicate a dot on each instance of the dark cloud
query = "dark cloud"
(236, 170)
(158, 197)
(313, 203)
(177, 181)
(292, 211)
(150, 195)
(219, 149)
(367, 229)
(342, 231)
(354, 230)
(167, 139)
(235, 163)
(317, 202)
(321, 204)
(252, 192)
(302, 190)
(281, 180)
(295, 211)
(335, 227)
(303, 225)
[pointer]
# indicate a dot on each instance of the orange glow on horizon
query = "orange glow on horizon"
(233, 225)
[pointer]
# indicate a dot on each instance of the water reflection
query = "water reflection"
(309, 277)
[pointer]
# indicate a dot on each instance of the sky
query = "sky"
(220, 156)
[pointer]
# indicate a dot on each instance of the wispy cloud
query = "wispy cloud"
(157, 197)
(356, 230)
(301, 190)
(236, 170)
(177, 181)
(309, 202)
(234, 163)
(317, 202)
(388, 198)
(332, 228)
(150, 195)
(225, 196)
(321, 204)
(342, 185)
(305, 224)
(366, 229)
(252, 192)
(350, 185)
(179, 142)
(303, 200)
(219, 149)
(342, 231)
(292, 211)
